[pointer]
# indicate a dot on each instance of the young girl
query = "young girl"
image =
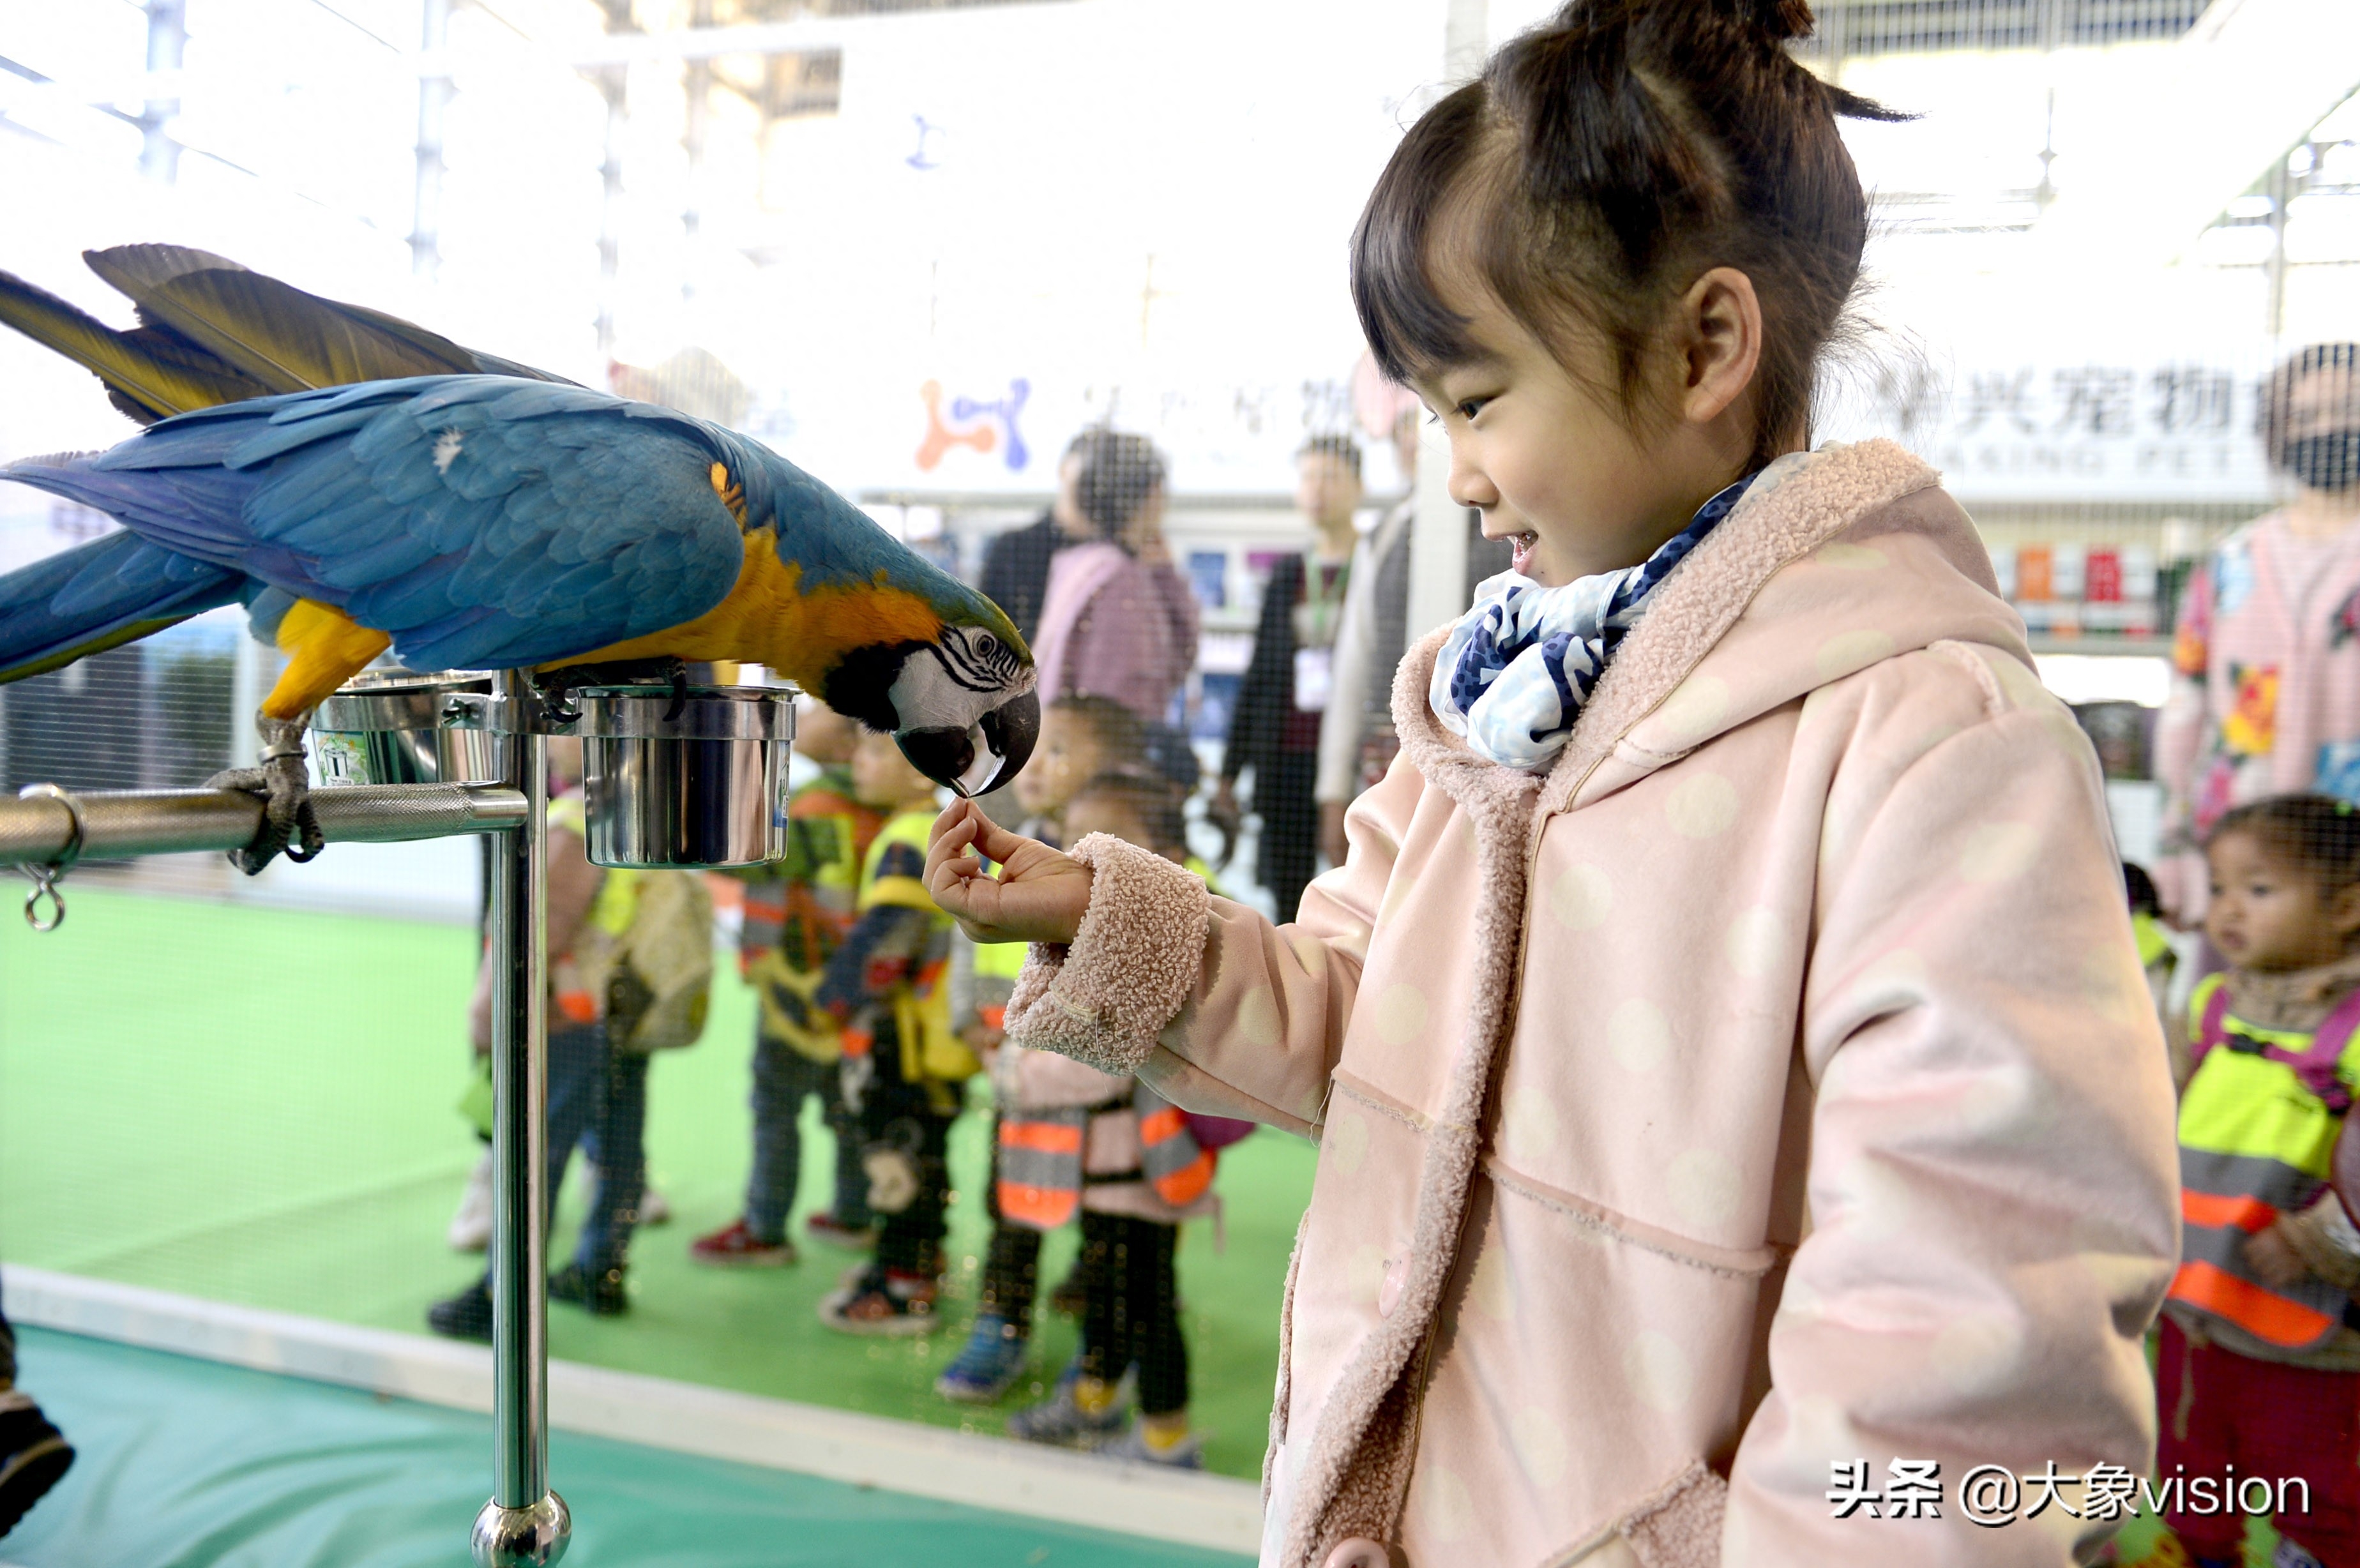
(1740, 1112)
(2260, 1369)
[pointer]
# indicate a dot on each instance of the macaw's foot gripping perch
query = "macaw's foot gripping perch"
(288, 825)
(560, 687)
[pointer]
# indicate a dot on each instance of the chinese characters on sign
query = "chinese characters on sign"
(2095, 430)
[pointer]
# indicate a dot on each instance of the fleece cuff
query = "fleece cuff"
(1130, 969)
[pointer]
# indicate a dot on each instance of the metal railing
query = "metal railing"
(46, 830)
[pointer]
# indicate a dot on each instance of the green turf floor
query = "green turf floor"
(185, 1463)
(257, 1106)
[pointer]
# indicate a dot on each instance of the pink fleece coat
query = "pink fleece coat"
(1770, 1085)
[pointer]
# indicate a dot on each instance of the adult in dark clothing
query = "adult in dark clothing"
(1356, 736)
(1016, 566)
(1275, 728)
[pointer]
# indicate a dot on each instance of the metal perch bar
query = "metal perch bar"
(48, 830)
(525, 1522)
(117, 823)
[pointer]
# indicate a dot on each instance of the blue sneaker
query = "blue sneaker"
(987, 1366)
(1061, 1420)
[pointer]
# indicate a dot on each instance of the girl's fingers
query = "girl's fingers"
(995, 842)
(952, 815)
(949, 843)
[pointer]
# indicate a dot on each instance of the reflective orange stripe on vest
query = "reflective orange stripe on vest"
(2255, 1308)
(1040, 1166)
(577, 1006)
(1176, 1167)
(2215, 1210)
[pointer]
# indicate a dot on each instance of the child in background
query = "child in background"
(797, 912)
(2260, 1367)
(1082, 738)
(1134, 1171)
(902, 1065)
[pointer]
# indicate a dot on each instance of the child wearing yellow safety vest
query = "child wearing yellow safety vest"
(1076, 1142)
(797, 912)
(2260, 1364)
(903, 1066)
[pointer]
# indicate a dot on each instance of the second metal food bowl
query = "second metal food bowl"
(402, 726)
(705, 787)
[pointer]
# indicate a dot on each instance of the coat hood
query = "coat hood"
(1834, 559)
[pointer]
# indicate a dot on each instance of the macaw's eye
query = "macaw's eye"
(986, 644)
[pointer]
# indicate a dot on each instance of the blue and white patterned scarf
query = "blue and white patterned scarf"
(1518, 667)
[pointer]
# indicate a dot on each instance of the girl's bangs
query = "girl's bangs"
(1409, 328)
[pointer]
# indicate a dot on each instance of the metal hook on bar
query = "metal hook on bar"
(46, 875)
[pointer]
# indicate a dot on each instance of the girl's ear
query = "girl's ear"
(1717, 330)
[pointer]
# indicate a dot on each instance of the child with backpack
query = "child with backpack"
(1076, 1141)
(2260, 1369)
(1084, 742)
(1725, 1039)
(904, 1066)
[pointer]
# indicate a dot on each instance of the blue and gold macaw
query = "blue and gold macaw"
(361, 484)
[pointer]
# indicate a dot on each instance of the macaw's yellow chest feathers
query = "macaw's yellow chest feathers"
(768, 618)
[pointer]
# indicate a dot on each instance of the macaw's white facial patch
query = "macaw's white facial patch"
(446, 450)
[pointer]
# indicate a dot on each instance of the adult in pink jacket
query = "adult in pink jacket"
(2266, 657)
(1119, 620)
(1741, 1115)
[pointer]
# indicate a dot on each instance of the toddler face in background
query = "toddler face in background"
(2268, 915)
(1066, 757)
(882, 779)
(824, 735)
(1101, 811)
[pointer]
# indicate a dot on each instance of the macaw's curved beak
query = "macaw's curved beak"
(980, 758)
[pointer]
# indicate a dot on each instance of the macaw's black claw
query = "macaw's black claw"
(558, 687)
(288, 825)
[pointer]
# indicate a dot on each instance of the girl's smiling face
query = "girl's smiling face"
(1557, 467)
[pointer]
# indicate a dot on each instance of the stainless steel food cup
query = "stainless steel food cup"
(706, 786)
(404, 727)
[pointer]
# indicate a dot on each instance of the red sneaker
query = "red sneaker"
(734, 1246)
(824, 1226)
(881, 1301)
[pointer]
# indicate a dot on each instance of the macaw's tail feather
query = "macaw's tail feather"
(99, 596)
(212, 332)
(275, 334)
(151, 372)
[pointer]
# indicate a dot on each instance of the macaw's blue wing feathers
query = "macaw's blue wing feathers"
(483, 522)
(96, 595)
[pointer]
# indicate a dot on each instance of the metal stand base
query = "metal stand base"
(515, 1538)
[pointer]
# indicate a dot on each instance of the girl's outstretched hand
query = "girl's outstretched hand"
(1039, 896)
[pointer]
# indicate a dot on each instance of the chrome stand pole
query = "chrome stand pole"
(525, 1522)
